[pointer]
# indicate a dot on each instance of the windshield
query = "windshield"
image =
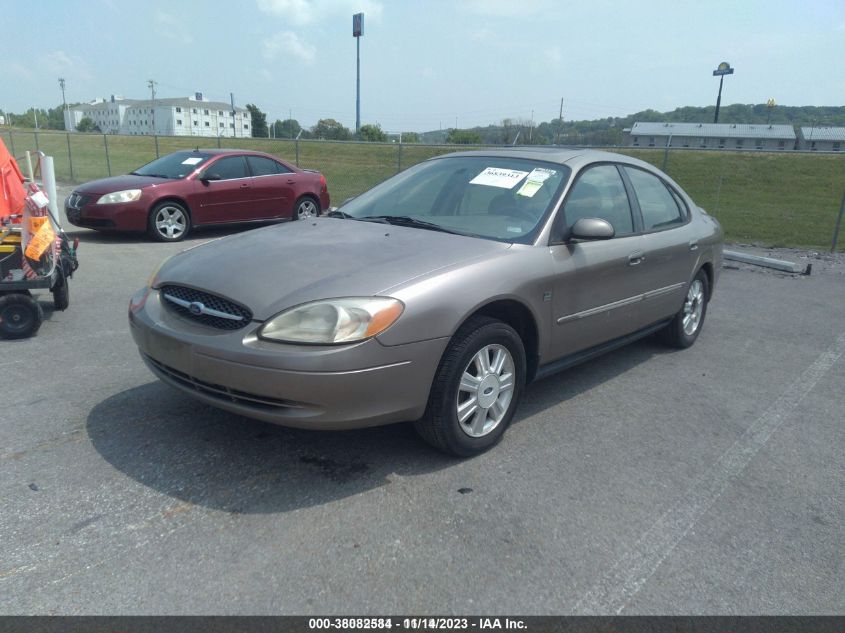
(498, 198)
(176, 165)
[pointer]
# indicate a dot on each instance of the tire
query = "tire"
(20, 316)
(305, 208)
(61, 292)
(169, 222)
(465, 416)
(684, 329)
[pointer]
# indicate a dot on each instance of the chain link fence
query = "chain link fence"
(783, 198)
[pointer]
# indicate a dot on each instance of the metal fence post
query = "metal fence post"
(108, 160)
(297, 152)
(37, 149)
(218, 142)
(666, 154)
(70, 157)
(156, 138)
(399, 158)
(838, 224)
(12, 142)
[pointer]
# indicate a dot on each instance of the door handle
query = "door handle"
(245, 186)
(636, 258)
(291, 182)
(693, 245)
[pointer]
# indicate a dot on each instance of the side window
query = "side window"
(261, 166)
(229, 167)
(600, 193)
(658, 206)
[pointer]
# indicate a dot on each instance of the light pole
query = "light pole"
(357, 32)
(723, 69)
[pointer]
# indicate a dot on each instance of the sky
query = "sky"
(427, 64)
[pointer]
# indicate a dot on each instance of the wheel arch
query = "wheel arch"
(520, 317)
(172, 198)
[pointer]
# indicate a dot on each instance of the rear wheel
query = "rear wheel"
(476, 389)
(61, 292)
(169, 222)
(306, 208)
(20, 316)
(684, 329)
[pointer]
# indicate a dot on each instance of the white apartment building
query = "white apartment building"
(187, 116)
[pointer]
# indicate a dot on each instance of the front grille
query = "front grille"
(232, 316)
(219, 392)
(77, 201)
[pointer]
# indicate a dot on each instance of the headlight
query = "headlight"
(333, 320)
(130, 195)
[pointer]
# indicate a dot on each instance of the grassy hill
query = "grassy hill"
(771, 199)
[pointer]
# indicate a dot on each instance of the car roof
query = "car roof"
(218, 152)
(563, 155)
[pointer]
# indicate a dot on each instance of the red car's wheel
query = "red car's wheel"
(169, 222)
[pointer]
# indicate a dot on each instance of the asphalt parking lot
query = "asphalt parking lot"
(649, 481)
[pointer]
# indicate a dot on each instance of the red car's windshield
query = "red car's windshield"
(176, 165)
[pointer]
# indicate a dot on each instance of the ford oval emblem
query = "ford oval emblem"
(196, 308)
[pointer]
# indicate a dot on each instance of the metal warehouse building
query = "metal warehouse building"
(822, 139)
(711, 136)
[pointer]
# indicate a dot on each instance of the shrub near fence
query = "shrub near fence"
(772, 199)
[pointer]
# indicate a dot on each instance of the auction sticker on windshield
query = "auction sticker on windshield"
(496, 177)
(535, 180)
(192, 161)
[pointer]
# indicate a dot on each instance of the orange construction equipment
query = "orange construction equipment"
(12, 192)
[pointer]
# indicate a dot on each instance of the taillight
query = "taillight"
(323, 184)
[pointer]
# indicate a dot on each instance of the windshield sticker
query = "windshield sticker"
(192, 161)
(535, 180)
(496, 177)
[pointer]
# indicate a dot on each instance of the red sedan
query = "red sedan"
(174, 193)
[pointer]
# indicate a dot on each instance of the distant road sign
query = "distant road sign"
(723, 69)
(357, 25)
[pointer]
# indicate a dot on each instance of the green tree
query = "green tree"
(463, 137)
(56, 117)
(373, 133)
(410, 137)
(87, 125)
(259, 121)
(331, 130)
(289, 128)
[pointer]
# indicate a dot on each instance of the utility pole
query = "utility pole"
(152, 84)
(559, 122)
(234, 126)
(64, 101)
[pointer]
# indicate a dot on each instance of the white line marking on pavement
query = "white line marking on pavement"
(612, 593)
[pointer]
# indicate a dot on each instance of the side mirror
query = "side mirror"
(592, 229)
(210, 176)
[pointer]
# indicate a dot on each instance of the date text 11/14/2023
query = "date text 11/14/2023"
(415, 623)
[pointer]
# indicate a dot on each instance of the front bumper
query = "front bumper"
(127, 216)
(315, 387)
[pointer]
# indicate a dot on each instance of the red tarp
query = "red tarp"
(12, 193)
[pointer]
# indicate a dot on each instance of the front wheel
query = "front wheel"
(684, 329)
(305, 208)
(476, 389)
(169, 222)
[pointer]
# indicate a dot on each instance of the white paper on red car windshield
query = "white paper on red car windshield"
(497, 177)
(534, 181)
(192, 161)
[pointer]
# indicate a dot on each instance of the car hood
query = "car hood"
(271, 269)
(119, 183)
